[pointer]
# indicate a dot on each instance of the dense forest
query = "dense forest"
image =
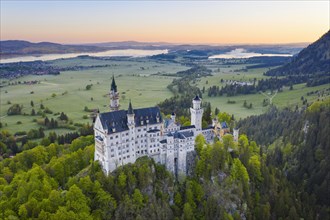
(280, 172)
(298, 144)
(183, 91)
(312, 64)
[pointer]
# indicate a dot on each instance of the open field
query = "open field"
(136, 81)
(288, 97)
(229, 74)
(282, 99)
(142, 66)
(67, 92)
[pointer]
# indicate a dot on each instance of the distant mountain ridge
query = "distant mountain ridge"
(129, 43)
(314, 59)
(292, 48)
(14, 48)
(11, 48)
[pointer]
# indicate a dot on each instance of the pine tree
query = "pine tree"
(216, 111)
(52, 123)
(207, 113)
(245, 104)
(46, 122)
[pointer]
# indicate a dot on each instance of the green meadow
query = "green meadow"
(141, 80)
(67, 92)
(287, 98)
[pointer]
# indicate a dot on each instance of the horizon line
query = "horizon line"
(158, 42)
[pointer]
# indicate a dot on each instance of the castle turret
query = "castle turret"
(131, 127)
(236, 134)
(173, 116)
(214, 122)
(196, 113)
(114, 96)
(130, 115)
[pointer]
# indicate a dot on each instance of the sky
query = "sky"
(212, 22)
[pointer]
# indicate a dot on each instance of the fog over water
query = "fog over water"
(109, 53)
(242, 53)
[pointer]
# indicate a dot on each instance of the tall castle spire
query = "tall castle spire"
(130, 116)
(113, 84)
(130, 108)
(114, 96)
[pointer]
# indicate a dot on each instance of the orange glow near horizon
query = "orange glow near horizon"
(211, 22)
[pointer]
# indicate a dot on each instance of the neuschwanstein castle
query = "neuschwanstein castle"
(122, 136)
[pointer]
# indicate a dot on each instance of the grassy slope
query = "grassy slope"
(144, 91)
(285, 98)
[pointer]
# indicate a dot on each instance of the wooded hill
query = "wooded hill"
(286, 179)
(17, 48)
(298, 143)
(313, 61)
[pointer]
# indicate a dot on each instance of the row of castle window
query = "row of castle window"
(123, 152)
(145, 151)
(141, 146)
(154, 151)
(120, 153)
(154, 145)
(123, 134)
(146, 128)
(145, 135)
(173, 129)
(128, 156)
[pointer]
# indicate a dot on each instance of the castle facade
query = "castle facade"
(122, 136)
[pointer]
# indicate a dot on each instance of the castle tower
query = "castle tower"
(173, 117)
(130, 116)
(196, 113)
(131, 127)
(215, 122)
(236, 134)
(114, 96)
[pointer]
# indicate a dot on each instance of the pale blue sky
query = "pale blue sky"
(170, 21)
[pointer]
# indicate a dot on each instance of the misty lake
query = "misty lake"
(242, 53)
(108, 53)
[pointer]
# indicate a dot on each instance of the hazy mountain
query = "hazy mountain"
(209, 49)
(12, 48)
(314, 59)
(18, 48)
(129, 44)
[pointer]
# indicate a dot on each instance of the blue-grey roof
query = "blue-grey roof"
(178, 135)
(118, 119)
(163, 141)
(197, 98)
(167, 122)
(181, 134)
(153, 131)
(187, 133)
(169, 135)
(187, 127)
(208, 127)
(224, 125)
